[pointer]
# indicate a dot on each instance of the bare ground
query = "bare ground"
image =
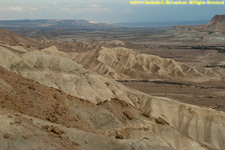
(205, 94)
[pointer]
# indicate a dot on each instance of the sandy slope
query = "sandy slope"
(189, 127)
(65, 74)
(13, 39)
(122, 119)
(26, 106)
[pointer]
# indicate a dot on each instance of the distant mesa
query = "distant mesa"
(59, 24)
(218, 18)
(217, 24)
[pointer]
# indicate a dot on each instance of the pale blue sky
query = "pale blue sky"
(110, 11)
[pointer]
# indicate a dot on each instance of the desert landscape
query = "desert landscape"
(75, 85)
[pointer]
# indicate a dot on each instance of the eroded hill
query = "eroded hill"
(35, 116)
(49, 100)
(125, 64)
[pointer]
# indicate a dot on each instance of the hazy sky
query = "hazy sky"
(110, 11)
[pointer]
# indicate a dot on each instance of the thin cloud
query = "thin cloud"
(65, 9)
(34, 9)
(94, 8)
(12, 8)
(94, 5)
